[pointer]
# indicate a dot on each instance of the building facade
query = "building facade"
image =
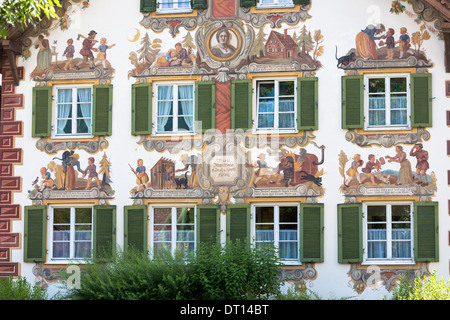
(320, 125)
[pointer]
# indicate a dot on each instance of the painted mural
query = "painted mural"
(86, 57)
(68, 176)
(383, 46)
(399, 173)
(230, 169)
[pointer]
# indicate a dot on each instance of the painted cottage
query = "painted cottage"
(322, 126)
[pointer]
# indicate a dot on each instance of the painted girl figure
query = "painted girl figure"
(101, 55)
(352, 172)
(404, 42)
(44, 56)
(405, 174)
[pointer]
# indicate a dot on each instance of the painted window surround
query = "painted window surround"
(72, 135)
(367, 126)
(50, 241)
(255, 129)
(155, 131)
(276, 223)
(173, 224)
(389, 260)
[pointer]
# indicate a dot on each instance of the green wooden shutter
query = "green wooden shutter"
(350, 233)
(102, 110)
(247, 3)
(307, 103)
(104, 241)
(35, 234)
(208, 223)
(421, 100)
(241, 104)
(301, 1)
(311, 232)
(238, 222)
(135, 228)
(352, 102)
(148, 5)
(426, 233)
(141, 109)
(42, 112)
(205, 98)
(199, 4)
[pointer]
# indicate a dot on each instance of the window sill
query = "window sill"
(72, 137)
(275, 6)
(387, 128)
(173, 134)
(66, 262)
(275, 131)
(173, 11)
(388, 262)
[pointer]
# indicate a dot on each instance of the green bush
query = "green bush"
(20, 289)
(234, 271)
(425, 288)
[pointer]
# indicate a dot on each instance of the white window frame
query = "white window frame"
(72, 208)
(387, 126)
(276, 226)
(276, 120)
(174, 208)
(174, 9)
(175, 109)
(74, 118)
(388, 260)
(274, 4)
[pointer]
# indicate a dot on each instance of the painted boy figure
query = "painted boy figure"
(91, 170)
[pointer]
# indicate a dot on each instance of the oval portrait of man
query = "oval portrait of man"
(224, 44)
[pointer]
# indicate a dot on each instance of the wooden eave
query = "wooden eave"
(443, 8)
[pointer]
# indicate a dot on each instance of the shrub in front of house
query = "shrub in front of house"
(234, 271)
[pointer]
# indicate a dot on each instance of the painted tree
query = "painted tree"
(188, 42)
(259, 43)
(417, 38)
(105, 169)
(318, 39)
(149, 49)
(305, 41)
(22, 13)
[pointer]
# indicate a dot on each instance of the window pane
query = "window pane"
(83, 232)
(264, 214)
(286, 88)
(286, 104)
(288, 214)
(286, 120)
(398, 85)
(266, 121)
(266, 90)
(163, 215)
(82, 250)
(264, 233)
(64, 96)
(266, 105)
(61, 233)
(165, 109)
(401, 213)
(376, 213)
(61, 250)
(185, 215)
(377, 85)
(61, 215)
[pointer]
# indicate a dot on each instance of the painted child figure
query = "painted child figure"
(91, 170)
(404, 42)
(68, 53)
(101, 55)
(390, 43)
(47, 182)
(352, 172)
